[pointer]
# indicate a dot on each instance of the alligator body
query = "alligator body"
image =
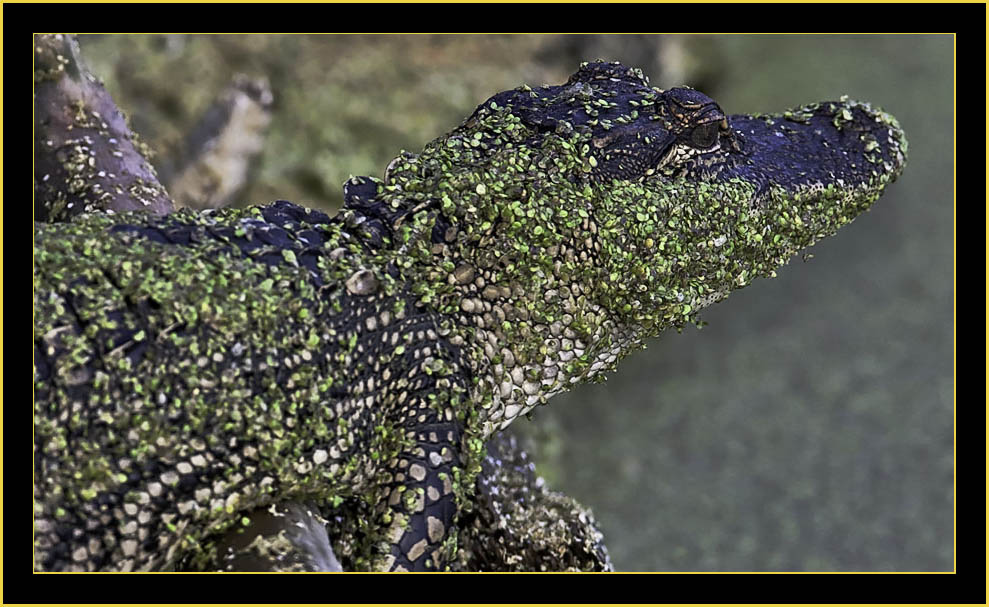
(195, 369)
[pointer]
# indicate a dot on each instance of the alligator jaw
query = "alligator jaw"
(835, 144)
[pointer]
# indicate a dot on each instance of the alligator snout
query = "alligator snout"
(837, 144)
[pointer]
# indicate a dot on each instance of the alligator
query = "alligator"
(197, 373)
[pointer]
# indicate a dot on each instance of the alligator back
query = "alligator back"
(191, 368)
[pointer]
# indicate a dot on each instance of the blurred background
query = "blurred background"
(808, 427)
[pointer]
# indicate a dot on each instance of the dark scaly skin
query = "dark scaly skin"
(194, 369)
(162, 350)
(517, 524)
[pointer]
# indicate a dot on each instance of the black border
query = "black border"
(496, 17)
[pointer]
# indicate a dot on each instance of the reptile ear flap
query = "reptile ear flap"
(629, 153)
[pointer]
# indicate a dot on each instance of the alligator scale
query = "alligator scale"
(195, 372)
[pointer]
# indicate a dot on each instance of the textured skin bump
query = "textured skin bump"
(192, 370)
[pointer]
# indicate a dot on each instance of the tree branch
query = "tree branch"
(85, 156)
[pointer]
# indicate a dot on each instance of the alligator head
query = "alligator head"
(562, 225)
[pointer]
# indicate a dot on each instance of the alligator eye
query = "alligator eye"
(705, 136)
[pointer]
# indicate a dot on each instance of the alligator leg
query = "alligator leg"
(421, 504)
(285, 537)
